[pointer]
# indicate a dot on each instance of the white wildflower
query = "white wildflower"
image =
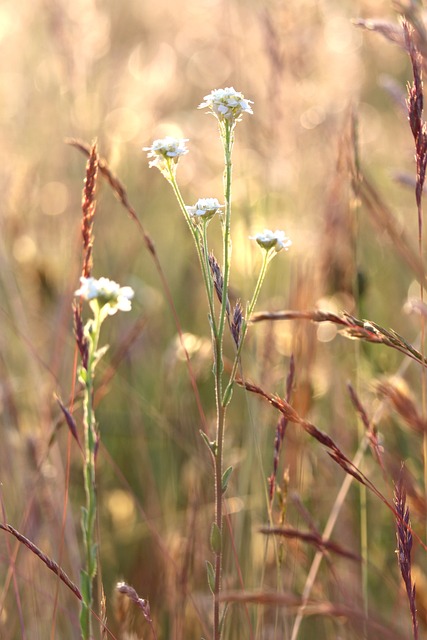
(276, 240)
(205, 208)
(166, 151)
(227, 104)
(109, 295)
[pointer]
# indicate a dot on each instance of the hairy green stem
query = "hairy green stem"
(202, 253)
(89, 511)
(227, 137)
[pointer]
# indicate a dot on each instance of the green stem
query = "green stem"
(202, 254)
(89, 512)
(227, 137)
(218, 497)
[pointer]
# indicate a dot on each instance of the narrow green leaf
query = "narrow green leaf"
(99, 354)
(84, 622)
(216, 538)
(85, 587)
(227, 396)
(225, 478)
(211, 444)
(222, 621)
(84, 518)
(82, 375)
(211, 576)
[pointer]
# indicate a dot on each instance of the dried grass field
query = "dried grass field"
(247, 462)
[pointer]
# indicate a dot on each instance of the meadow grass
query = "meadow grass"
(275, 435)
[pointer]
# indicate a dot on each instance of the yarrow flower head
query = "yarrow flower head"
(276, 240)
(165, 154)
(105, 294)
(226, 104)
(204, 209)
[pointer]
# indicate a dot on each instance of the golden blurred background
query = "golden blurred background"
(125, 73)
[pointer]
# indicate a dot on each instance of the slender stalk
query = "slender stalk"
(227, 136)
(221, 411)
(202, 254)
(226, 130)
(89, 512)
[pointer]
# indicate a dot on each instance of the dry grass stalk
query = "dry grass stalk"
(351, 328)
(312, 538)
(326, 608)
(403, 404)
(280, 432)
(324, 439)
(412, 13)
(404, 547)
(51, 564)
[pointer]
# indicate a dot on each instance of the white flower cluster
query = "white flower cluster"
(227, 104)
(164, 149)
(276, 240)
(109, 295)
(205, 208)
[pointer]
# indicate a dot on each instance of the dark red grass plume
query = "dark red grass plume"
(404, 547)
(415, 103)
(88, 209)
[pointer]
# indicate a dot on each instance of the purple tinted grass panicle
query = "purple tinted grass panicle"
(280, 432)
(404, 547)
(88, 209)
(81, 340)
(217, 276)
(415, 103)
(236, 323)
(71, 423)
